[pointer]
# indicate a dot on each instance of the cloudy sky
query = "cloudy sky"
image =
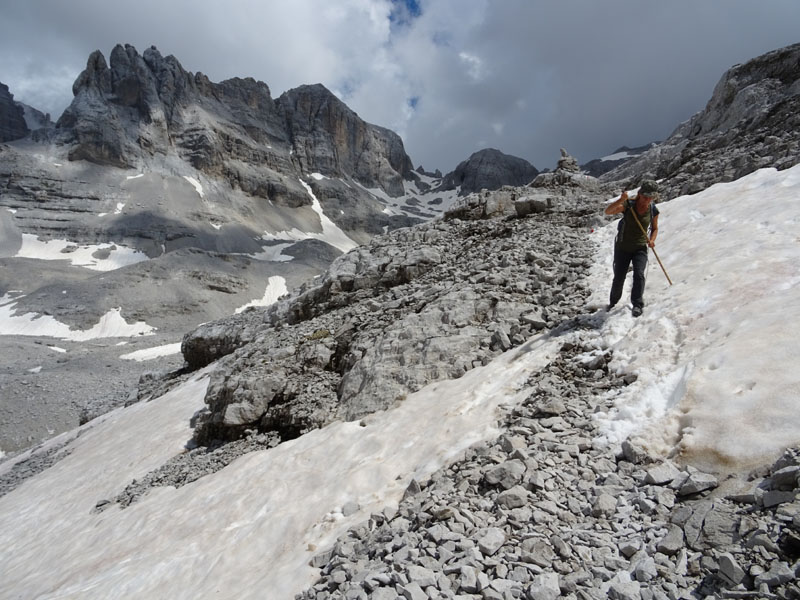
(450, 76)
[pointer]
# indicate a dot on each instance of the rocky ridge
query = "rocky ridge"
(388, 317)
(751, 121)
(143, 106)
(620, 156)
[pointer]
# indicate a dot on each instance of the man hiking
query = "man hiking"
(632, 243)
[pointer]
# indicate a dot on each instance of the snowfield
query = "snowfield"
(111, 324)
(715, 356)
(715, 352)
(98, 257)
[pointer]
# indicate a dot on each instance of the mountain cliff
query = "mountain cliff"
(751, 121)
(12, 117)
(142, 106)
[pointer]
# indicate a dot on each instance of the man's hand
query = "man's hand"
(618, 205)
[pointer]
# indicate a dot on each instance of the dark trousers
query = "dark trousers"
(622, 261)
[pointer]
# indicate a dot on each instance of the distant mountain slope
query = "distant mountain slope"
(488, 169)
(599, 166)
(751, 121)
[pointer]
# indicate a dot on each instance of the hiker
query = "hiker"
(631, 243)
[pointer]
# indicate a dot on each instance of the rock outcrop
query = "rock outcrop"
(329, 138)
(145, 106)
(751, 121)
(488, 169)
(12, 117)
(388, 318)
(565, 185)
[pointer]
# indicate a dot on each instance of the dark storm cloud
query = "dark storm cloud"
(451, 76)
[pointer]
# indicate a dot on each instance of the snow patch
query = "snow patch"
(711, 351)
(198, 188)
(153, 353)
(111, 325)
(264, 508)
(273, 253)
(331, 233)
(98, 257)
(276, 287)
(617, 156)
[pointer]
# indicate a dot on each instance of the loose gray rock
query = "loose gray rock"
(492, 541)
(730, 569)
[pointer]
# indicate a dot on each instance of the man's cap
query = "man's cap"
(648, 188)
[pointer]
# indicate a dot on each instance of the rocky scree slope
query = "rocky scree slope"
(751, 121)
(542, 512)
(410, 307)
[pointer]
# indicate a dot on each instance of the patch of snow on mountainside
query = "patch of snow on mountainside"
(98, 257)
(279, 516)
(276, 287)
(331, 233)
(196, 184)
(711, 350)
(111, 324)
(153, 353)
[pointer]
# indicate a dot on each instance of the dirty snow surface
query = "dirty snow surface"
(715, 356)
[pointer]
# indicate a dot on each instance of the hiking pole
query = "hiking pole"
(639, 223)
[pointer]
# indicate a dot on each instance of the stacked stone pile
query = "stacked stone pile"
(543, 512)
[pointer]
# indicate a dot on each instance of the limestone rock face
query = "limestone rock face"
(387, 318)
(489, 169)
(329, 138)
(12, 117)
(145, 106)
(751, 121)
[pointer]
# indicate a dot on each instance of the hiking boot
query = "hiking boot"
(637, 311)
(609, 307)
